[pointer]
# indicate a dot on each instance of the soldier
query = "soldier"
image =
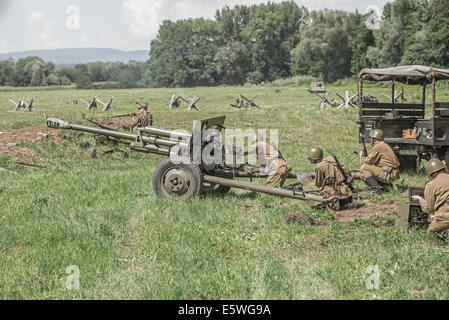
(329, 177)
(381, 168)
(276, 165)
(177, 103)
(436, 197)
(144, 118)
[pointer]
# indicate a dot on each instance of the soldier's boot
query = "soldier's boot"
(385, 187)
(373, 185)
(444, 235)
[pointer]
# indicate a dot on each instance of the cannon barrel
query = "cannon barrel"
(166, 133)
(151, 140)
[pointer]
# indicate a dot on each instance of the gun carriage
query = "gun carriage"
(180, 179)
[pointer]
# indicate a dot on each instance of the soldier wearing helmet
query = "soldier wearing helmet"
(381, 166)
(436, 197)
(268, 154)
(331, 180)
(143, 119)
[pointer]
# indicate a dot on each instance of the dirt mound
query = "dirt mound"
(22, 155)
(367, 211)
(21, 135)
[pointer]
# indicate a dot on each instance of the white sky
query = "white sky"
(119, 24)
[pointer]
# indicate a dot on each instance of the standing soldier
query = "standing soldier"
(381, 166)
(144, 118)
(278, 169)
(333, 178)
(436, 197)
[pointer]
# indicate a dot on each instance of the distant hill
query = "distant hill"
(80, 55)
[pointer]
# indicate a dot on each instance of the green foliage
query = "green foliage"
(252, 44)
(83, 81)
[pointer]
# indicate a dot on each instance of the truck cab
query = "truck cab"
(411, 133)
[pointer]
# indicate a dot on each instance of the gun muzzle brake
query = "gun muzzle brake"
(57, 124)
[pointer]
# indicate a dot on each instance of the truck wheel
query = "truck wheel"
(216, 189)
(172, 181)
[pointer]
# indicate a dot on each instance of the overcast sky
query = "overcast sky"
(119, 24)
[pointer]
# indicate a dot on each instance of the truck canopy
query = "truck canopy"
(413, 75)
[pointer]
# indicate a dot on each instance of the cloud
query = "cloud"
(4, 6)
(36, 17)
(42, 30)
(144, 17)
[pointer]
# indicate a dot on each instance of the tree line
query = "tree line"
(33, 71)
(253, 44)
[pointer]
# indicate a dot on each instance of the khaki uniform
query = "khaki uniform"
(328, 168)
(436, 194)
(382, 163)
(276, 165)
(143, 120)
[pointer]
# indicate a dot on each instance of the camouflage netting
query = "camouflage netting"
(405, 74)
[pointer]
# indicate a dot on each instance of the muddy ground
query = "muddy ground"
(11, 140)
(367, 210)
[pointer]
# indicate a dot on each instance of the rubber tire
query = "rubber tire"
(195, 182)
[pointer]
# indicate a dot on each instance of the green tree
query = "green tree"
(96, 71)
(83, 81)
(329, 45)
(430, 45)
(6, 72)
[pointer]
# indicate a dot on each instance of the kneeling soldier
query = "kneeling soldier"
(278, 169)
(144, 118)
(381, 166)
(436, 197)
(334, 178)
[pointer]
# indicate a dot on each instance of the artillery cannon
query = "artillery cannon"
(186, 179)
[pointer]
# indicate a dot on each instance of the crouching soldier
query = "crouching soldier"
(381, 168)
(277, 167)
(334, 179)
(143, 119)
(436, 198)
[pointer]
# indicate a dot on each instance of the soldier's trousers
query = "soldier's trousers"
(278, 173)
(440, 221)
(330, 191)
(368, 171)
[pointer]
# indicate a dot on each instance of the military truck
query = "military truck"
(415, 131)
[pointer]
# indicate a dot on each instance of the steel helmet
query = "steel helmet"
(433, 166)
(315, 154)
(377, 134)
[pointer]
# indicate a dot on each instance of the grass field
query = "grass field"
(102, 216)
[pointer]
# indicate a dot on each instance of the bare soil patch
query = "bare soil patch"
(368, 210)
(20, 154)
(25, 134)
(20, 136)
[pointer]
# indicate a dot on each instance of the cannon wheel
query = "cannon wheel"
(210, 188)
(181, 181)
